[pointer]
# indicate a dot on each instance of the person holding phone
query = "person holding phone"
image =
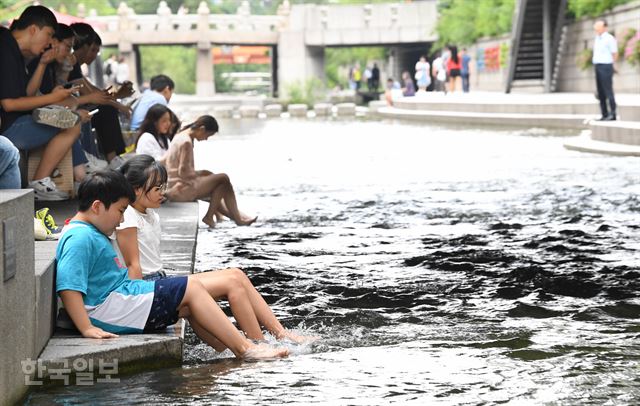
(48, 71)
(28, 37)
(106, 122)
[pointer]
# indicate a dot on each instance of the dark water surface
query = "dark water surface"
(439, 265)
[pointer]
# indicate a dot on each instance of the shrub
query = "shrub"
(632, 50)
(584, 59)
(307, 92)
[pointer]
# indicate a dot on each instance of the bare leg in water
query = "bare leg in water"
(247, 305)
(218, 187)
(211, 324)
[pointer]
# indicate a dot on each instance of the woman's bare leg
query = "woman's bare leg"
(55, 150)
(208, 186)
(215, 201)
(200, 306)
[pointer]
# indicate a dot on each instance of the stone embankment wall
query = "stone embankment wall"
(490, 56)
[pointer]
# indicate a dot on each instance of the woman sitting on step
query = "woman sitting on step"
(186, 184)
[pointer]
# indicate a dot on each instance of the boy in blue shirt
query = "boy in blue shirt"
(102, 301)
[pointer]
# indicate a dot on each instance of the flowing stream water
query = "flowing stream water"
(440, 265)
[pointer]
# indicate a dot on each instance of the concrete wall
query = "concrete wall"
(17, 295)
(489, 66)
(580, 37)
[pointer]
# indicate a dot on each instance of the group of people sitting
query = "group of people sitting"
(109, 270)
(47, 102)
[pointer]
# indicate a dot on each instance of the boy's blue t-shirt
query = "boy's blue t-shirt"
(87, 263)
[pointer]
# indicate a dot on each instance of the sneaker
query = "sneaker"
(45, 189)
(53, 231)
(56, 116)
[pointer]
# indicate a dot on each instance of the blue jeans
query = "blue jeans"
(26, 135)
(9, 170)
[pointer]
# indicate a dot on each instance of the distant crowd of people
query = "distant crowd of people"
(370, 77)
(448, 72)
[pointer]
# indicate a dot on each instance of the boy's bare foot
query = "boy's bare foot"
(246, 221)
(264, 351)
(297, 338)
(209, 221)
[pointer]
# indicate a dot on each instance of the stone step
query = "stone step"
(584, 143)
(458, 117)
(622, 132)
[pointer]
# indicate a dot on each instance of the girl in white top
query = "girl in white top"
(153, 133)
(139, 242)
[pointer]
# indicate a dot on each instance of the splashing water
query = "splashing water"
(439, 265)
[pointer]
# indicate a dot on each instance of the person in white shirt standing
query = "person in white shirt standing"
(605, 53)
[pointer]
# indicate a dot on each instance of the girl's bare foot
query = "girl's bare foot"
(246, 221)
(219, 217)
(209, 221)
(264, 351)
(297, 338)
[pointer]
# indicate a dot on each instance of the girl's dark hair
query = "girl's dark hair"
(454, 53)
(175, 125)
(142, 171)
(63, 32)
(154, 114)
(208, 122)
(107, 186)
(38, 15)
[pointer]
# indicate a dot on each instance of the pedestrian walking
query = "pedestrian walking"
(465, 59)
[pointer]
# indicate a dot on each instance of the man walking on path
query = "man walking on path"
(605, 53)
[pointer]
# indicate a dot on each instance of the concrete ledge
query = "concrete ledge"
(456, 117)
(143, 349)
(45, 252)
(623, 132)
(584, 143)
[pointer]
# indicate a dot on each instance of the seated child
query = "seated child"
(138, 239)
(101, 299)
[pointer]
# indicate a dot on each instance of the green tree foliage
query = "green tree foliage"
(177, 62)
(593, 8)
(462, 22)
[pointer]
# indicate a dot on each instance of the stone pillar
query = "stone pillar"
(205, 85)
(296, 61)
(17, 294)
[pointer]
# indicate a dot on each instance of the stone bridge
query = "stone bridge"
(298, 34)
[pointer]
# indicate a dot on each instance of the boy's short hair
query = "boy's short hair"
(107, 186)
(38, 15)
(159, 82)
